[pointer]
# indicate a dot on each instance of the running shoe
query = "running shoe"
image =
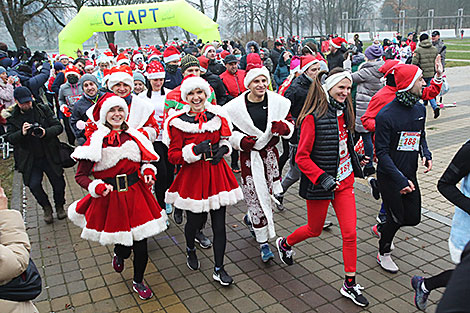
(280, 199)
(327, 224)
(421, 297)
(381, 218)
(202, 240)
(387, 263)
(118, 264)
(374, 230)
(143, 291)
(168, 208)
(284, 254)
(222, 277)
(191, 260)
(178, 216)
(374, 186)
(247, 222)
(236, 169)
(354, 293)
(266, 254)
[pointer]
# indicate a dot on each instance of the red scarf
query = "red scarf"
(113, 136)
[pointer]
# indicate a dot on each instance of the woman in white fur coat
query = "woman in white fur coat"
(260, 117)
(119, 209)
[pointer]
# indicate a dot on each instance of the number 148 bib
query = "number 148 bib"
(409, 141)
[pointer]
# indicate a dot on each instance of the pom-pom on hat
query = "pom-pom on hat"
(336, 42)
(119, 74)
(104, 104)
(155, 70)
(122, 59)
(171, 54)
(193, 82)
(405, 76)
(72, 70)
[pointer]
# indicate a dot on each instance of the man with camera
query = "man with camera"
(33, 130)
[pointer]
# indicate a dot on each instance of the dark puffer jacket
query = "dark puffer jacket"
(36, 82)
(282, 70)
(297, 93)
(368, 83)
(249, 44)
(424, 57)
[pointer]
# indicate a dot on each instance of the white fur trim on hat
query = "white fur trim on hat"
(123, 61)
(148, 166)
(137, 55)
(306, 66)
(110, 103)
(415, 78)
(156, 75)
(192, 83)
(255, 72)
(171, 58)
(331, 81)
(188, 154)
(92, 187)
(118, 77)
(333, 44)
(209, 47)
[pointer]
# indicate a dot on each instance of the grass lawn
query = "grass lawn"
(458, 41)
(6, 175)
(457, 47)
(456, 63)
(458, 55)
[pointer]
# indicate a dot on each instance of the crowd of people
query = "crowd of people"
(154, 127)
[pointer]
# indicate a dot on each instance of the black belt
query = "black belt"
(122, 182)
(208, 156)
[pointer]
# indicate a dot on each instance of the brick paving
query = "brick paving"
(78, 276)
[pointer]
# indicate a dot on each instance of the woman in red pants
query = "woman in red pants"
(328, 163)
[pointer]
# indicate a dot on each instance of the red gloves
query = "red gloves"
(100, 188)
(65, 110)
(247, 143)
(280, 128)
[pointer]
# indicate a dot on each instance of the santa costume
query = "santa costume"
(260, 177)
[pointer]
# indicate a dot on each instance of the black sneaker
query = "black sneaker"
(222, 277)
(354, 293)
(280, 199)
(437, 112)
(374, 188)
(327, 224)
(202, 240)
(381, 218)
(248, 224)
(284, 254)
(178, 216)
(191, 260)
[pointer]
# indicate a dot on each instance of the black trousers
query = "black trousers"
(195, 221)
(41, 166)
(140, 257)
(68, 131)
(234, 156)
(285, 154)
(401, 210)
(165, 173)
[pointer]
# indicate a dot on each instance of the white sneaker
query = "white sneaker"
(387, 263)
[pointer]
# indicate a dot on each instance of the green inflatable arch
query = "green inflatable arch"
(129, 17)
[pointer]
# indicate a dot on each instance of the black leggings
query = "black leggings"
(195, 221)
(140, 257)
(438, 281)
(285, 154)
(165, 173)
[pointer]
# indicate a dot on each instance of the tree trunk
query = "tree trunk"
(163, 35)
(216, 10)
(110, 37)
(136, 35)
(187, 35)
(17, 34)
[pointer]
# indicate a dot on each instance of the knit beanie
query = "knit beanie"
(89, 77)
(188, 61)
(138, 76)
(374, 52)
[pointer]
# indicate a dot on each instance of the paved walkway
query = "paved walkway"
(78, 276)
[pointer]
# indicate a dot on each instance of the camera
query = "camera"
(35, 130)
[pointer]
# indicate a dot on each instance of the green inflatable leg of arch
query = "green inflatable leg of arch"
(129, 17)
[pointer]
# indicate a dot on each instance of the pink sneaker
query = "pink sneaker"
(375, 231)
(118, 264)
(143, 291)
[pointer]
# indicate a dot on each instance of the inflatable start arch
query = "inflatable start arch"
(129, 17)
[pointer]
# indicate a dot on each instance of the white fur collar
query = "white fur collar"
(112, 155)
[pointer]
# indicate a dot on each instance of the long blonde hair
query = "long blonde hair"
(317, 101)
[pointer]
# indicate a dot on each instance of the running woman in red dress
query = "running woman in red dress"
(120, 208)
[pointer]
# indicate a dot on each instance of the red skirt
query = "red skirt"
(201, 187)
(120, 217)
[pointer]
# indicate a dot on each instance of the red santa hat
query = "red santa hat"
(122, 59)
(155, 70)
(105, 103)
(388, 65)
(72, 70)
(203, 63)
(207, 48)
(306, 61)
(155, 56)
(171, 54)
(194, 82)
(406, 76)
(137, 55)
(89, 65)
(336, 42)
(122, 73)
(63, 56)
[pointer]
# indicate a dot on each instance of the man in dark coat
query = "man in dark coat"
(336, 56)
(33, 82)
(33, 130)
(276, 53)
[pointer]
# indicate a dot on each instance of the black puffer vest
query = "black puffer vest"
(325, 154)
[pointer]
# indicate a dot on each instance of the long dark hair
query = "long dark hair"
(124, 126)
(149, 89)
(317, 101)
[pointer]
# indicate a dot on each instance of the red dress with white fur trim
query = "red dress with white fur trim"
(200, 186)
(120, 217)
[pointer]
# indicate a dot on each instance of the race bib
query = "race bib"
(409, 141)
(345, 169)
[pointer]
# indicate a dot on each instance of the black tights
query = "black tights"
(165, 173)
(438, 281)
(195, 221)
(140, 257)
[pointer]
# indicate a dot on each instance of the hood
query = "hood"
(425, 43)
(281, 59)
(252, 43)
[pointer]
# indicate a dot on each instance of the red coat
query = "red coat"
(119, 217)
(200, 186)
(234, 83)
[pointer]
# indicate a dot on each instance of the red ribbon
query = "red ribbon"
(113, 136)
(200, 117)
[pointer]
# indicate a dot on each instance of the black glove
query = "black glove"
(219, 155)
(327, 182)
(202, 147)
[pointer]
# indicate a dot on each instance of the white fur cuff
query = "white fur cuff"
(188, 154)
(92, 187)
(225, 142)
(236, 139)
(148, 166)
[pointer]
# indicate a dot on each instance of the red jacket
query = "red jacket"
(385, 96)
(234, 83)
